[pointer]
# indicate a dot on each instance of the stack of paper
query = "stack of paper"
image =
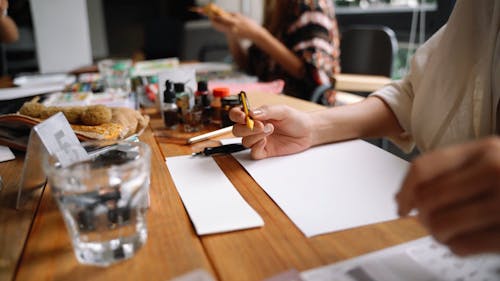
(419, 260)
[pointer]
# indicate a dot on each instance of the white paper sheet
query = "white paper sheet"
(331, 187)
(230, 141)
(6, 154)
(62, 34)
(420, 260)
(212, 202)
(28, 91)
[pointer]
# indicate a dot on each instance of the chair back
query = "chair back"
(367, 49)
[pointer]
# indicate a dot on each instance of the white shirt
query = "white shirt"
(451, 93)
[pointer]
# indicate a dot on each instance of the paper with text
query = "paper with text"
(331, 187)
(423, 259)
(212, 202)
(60, 140)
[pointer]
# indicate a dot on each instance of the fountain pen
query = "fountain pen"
(223, 149)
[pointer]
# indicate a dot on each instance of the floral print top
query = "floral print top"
(310, 30)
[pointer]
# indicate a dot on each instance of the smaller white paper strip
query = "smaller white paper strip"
(212, 202)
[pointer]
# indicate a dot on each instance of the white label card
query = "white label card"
(60, 140)
(6, 154)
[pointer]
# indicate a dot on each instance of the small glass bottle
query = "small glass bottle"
(227, 103)
(169, 109)
(181, 99)
(202, 99)
(216, 104)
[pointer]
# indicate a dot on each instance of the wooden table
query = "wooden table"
(41, 249)
(360, 83)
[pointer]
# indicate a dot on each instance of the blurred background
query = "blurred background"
(166, 28)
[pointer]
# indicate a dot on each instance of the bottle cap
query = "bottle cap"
(168, 85)
(168, 94)
(221, 92)
(202, 86)
(179, 87)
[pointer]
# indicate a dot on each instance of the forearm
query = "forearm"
(367, 119)
(279, 53)
(8, 30)
(239, 56)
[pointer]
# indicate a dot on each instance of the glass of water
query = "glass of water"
(104, 200)
(115, 74)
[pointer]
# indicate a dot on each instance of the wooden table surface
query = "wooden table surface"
(360, 83)
(40, 249)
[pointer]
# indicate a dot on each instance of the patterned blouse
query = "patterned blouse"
(310, 31)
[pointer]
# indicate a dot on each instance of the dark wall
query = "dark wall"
(128, 21)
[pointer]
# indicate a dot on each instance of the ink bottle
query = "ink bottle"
(169, 108)
(227, 103)
(216, 104)
(181, 99)
(202, 100)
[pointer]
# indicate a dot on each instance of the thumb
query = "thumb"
(274, 112)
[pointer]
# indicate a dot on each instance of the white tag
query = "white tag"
(60, 140)
(6, 154)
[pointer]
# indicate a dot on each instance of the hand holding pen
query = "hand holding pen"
(278, 130)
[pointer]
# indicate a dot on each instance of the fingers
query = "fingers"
(429, 167)
(259, 150)
(454, 188)
(226, 19)
(241, 130)
(275, 112)
(251, 140)
(254, 138)
(460, 219)
(198, 10)
(331, 96)
(483, 241)
(237, 115)
(263, 113)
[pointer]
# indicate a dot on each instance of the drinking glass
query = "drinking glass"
(116, 74)
(104, 200)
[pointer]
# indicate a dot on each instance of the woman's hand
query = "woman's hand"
(236, 25)
(278, 130)
(330, 96)
(457, 194)
(4, 5)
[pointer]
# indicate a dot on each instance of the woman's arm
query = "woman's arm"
(8, 28)
(237, 27)
(288, 60)
(237, 51)
(371, 118)
(281, 130)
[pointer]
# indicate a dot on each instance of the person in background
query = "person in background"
(448, 105)
(8, 28)
(298, 43)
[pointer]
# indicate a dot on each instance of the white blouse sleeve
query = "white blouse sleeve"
(400, 95)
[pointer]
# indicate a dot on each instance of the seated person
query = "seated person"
(298, 43)
(8, 28)
(450, 96)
